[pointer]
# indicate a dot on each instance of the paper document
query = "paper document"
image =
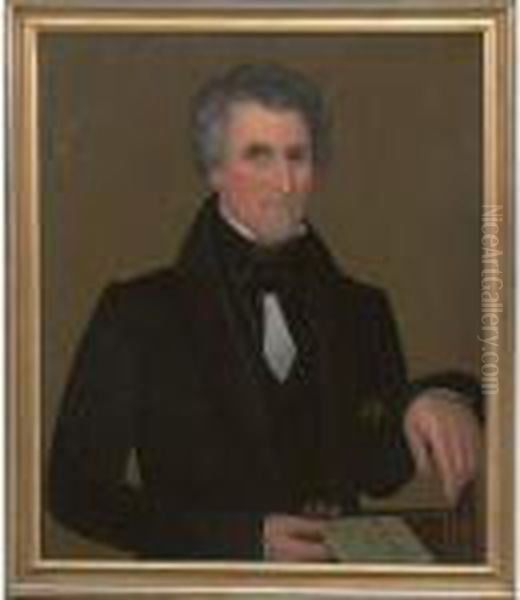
(376, 539)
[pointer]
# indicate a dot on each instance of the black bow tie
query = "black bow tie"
(279, 270)
(259, 269)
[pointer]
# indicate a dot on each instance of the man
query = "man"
(261, 389)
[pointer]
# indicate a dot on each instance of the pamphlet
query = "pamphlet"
(376, 539)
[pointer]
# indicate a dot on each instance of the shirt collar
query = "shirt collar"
(245, 231)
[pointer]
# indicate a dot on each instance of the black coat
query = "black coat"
(162, 369)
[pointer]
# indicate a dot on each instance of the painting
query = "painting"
(413, 198)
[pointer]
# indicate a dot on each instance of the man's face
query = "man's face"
(266, 173)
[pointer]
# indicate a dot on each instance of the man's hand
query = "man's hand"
(295, 539)
(445, 438)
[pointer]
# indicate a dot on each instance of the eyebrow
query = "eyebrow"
(262, 148)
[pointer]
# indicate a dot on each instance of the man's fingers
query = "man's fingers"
(444, 433)
(309, 529)
(290, 538)
(466, 458)
(448, 458)
(461, 443)
(419, 449)
(445, 457)
(471, 449)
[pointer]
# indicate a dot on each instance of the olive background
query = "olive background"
(398, 203)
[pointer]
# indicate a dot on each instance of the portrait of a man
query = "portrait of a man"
(260, 386)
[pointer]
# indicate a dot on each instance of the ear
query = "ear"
(215, 178)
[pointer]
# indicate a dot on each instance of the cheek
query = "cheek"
(238, 180)
(243, 186)
(306, 181)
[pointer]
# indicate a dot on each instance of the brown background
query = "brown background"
(399, 203)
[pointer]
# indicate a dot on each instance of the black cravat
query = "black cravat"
(252, 271)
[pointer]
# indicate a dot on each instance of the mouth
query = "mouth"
(287, 201)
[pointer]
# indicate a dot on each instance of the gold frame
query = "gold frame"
(31, 575)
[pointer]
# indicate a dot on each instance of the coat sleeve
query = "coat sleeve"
(387, 462)
(95, 432)
(388, 459)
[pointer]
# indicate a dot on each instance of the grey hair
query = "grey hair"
(271, 85)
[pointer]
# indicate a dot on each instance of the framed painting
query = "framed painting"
(413, 195)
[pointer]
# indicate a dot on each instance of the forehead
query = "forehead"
(252, 121)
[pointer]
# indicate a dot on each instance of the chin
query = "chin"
(277, 235)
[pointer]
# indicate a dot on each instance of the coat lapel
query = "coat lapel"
(332, 309)
(224, 358)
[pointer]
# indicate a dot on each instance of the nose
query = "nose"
(285, 176)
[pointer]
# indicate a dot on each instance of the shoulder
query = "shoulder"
(368, 299)
(143, 287)
(145, 299)
(363, 290)
(328, 276)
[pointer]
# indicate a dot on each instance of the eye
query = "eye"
(298, 154)
(258, 153)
